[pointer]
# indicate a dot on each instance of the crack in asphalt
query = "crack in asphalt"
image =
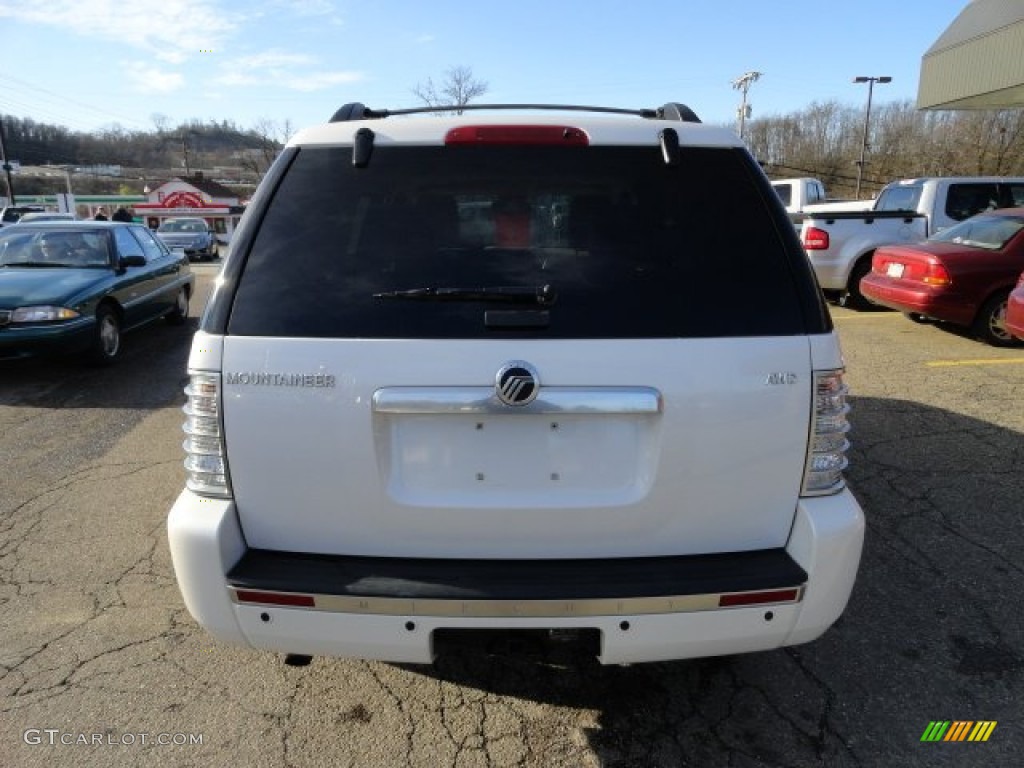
(825, 727)
(24, 672)
(375, 671)
(798, 707)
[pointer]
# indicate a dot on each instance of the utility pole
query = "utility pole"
(867, 117)
(6, 165)
(184, 150)
(743, 84)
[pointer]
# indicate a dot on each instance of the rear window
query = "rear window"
(618, 244)
(989, 232)
(902, 197)
(785, 193)
(965, 200)
(197, 226)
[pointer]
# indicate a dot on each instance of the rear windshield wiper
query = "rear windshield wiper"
(542, 294)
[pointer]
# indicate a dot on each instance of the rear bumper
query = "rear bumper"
(643, 609)
(831, 270)
(191, 250)
(1015, 314)
(932, 302)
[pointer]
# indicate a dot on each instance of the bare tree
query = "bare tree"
(824, 140)
(271, 136)
(161, 122)
(990, 139)
(458, 88)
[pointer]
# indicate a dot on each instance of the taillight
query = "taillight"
(205, 463)
(826, 455)
(517, 135)
(936, 274)
(815, 239)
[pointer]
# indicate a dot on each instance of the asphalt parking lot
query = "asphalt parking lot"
(100, 664)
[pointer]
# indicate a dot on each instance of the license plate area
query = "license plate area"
(518, 460)
(565, 647)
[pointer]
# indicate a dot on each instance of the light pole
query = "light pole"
(743, 84)
(867, 118)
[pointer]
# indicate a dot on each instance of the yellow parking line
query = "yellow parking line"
(869, 316)
(990, 361)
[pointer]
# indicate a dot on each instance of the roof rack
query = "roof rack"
(670, 111)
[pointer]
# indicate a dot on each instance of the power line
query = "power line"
(815, 172)
(39, 94)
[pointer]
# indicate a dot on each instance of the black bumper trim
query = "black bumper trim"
(463, 579)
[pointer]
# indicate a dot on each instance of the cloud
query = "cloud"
(282, 69)
(149, 79)
(306, 7)
(318, 81)
(321, 10)
(271, 60)
(169, 30)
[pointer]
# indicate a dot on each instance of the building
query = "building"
(978, 62)
(193, 196)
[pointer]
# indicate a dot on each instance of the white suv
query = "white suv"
(539, 371)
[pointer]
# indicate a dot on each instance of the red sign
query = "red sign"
(183, 200)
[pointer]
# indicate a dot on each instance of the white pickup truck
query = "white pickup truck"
(840, 243)
(795, 194)
(802, 195)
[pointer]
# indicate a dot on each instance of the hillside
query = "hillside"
(119, 161)
(824, 140)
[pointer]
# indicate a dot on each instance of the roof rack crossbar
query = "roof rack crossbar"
(671, 111)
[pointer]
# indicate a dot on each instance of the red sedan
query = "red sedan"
(1015, 310)
(963, 275)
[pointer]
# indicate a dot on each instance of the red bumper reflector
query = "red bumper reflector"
(275, 598)
(756, 598)
(522, 135)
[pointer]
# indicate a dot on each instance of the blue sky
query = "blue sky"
(88, 64)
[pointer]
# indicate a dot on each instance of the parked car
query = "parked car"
(841, 242)
(192, 234)
(71, 287)
(37, 216)
(797, 194)
(419, 407)
(963, 275)
(1015, 310)
(12, 213)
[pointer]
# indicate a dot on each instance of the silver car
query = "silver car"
(191, 234)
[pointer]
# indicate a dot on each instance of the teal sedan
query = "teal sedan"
(76, 287)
